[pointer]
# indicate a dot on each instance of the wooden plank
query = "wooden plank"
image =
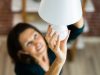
(2, 54)
(9, 68)
(24, 10)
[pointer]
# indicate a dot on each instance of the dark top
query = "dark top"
(33, 68)
(75, 32)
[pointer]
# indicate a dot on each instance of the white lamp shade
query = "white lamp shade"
(60, 12)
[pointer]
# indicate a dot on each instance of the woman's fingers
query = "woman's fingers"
(57, 43)
(47, 37)
(49, 30)
(53, 40)
(63, 44)
(50, 35)
(54, 36)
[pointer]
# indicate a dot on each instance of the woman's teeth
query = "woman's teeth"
(39, 46)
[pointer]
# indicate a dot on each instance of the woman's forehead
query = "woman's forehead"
(25, 35)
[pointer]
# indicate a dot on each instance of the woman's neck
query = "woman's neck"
(43, 58)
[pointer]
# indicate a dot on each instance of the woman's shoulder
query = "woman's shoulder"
(24, 69)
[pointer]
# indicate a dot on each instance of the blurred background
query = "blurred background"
(86, 48)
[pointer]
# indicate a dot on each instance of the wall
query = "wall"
(94, 20)
(5, 16)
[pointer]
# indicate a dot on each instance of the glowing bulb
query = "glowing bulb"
(61, 30)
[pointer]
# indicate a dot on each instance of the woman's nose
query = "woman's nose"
(36, 43)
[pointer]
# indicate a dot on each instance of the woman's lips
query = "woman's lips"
(39, 47)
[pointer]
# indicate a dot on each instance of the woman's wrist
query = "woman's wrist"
(60, 60)
(61, 57)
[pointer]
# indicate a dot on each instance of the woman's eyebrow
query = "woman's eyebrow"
(26, 43)
(30, 39)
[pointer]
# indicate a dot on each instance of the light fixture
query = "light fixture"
(60, 13)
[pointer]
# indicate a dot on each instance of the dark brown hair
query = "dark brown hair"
(14, 45)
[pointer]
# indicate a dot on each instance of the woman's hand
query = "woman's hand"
(57, 46)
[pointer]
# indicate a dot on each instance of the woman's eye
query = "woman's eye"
(29, 44)
(35, 36)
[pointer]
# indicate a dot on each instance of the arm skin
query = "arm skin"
(57, 65)
(59, 47)
(80, 23)
(55, 68)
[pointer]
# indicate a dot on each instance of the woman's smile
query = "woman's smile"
(39, 47)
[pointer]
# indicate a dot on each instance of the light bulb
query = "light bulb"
(62, 30)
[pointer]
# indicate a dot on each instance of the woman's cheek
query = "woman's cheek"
(41, 40)
(30, 49)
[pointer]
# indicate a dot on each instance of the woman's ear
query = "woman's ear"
(20, 52)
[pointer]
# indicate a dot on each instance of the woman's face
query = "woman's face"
(32, 42)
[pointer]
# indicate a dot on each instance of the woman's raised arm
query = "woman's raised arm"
(60, 50)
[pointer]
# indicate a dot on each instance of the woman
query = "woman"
(31, 54)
